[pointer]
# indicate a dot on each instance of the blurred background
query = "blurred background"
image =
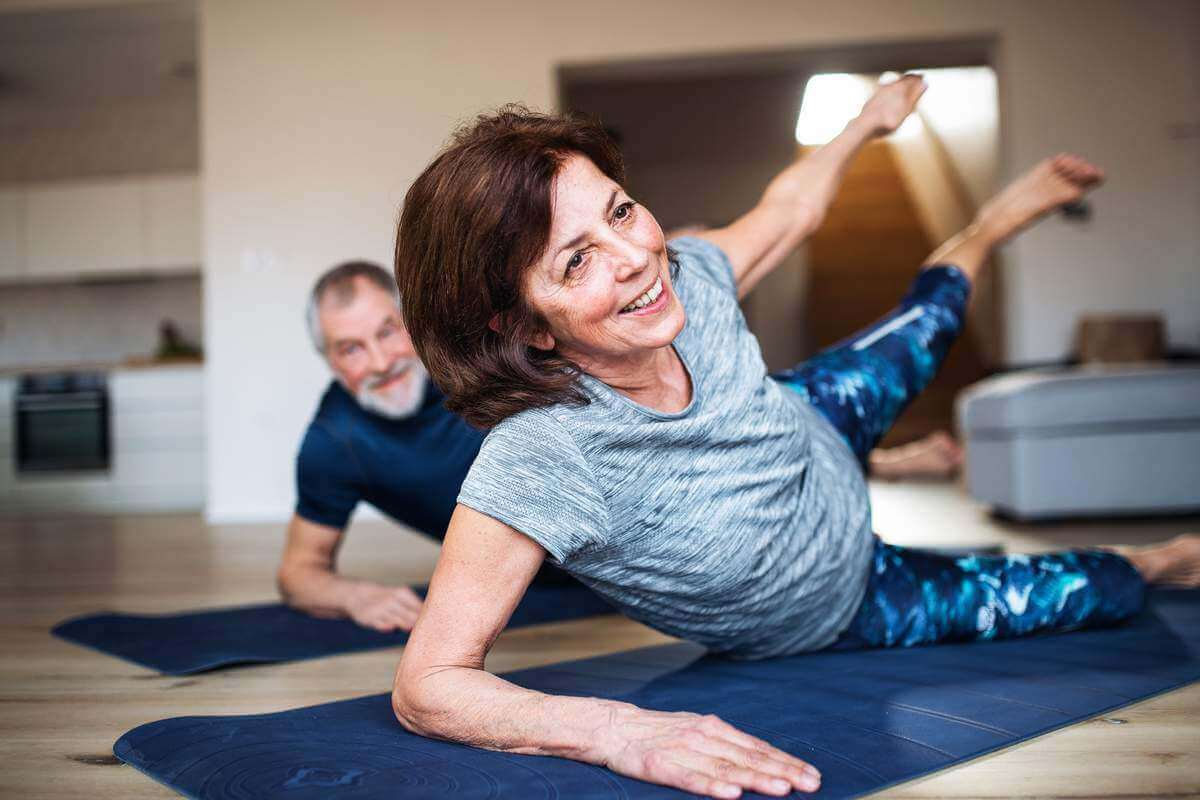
(175, 175)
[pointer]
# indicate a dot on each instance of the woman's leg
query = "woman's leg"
(915, 597)
(863, 383)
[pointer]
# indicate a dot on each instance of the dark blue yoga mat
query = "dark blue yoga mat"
(867, 719)
(183, 644)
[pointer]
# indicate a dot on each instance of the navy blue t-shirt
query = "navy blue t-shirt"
(410, 469)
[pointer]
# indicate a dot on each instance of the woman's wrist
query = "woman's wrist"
(603, 739)
(864, 127)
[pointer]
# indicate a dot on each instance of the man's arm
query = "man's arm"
(795, 201)
(443, 691)
(308, 581)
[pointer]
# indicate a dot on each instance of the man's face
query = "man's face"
(370, 352)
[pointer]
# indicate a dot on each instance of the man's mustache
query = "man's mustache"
(401, 367)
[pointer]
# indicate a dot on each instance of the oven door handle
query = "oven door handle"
(82, 405)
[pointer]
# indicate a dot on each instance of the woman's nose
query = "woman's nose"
(630, 260)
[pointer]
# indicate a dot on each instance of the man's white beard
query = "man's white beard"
(402, 400)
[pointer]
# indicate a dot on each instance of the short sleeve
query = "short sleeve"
(531, 476)
(327, 487)
(705, 260)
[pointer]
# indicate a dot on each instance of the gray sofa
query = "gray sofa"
(1095, 440)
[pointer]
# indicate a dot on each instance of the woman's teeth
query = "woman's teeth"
(646, 299)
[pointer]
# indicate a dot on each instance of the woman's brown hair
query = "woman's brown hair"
(473, 223)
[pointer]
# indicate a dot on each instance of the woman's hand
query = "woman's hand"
(699, 754)
(891, 104)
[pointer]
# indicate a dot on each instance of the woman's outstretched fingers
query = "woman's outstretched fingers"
(698, 782)
(718, 777)
(800, 773)
(735, 770)
(701, 754)
(772, 771)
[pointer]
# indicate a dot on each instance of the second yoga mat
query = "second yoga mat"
(867, 719)
(183, 644)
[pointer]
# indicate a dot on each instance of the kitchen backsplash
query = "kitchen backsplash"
(82, 323)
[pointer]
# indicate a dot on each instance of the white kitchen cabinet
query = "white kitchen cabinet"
(171, 209)
(85, 228)
(12, 232)
(139, 224)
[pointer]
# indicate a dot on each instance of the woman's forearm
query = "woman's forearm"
(791, 209)
(699, 754)
(472, 706)
(809, 185)
(796, 201)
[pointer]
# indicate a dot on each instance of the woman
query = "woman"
(637, 440)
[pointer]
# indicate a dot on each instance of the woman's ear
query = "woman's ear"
(541, 341)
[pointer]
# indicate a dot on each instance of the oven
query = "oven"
(62, 423)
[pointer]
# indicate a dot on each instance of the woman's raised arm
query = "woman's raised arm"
(795, 201)
(442, 690)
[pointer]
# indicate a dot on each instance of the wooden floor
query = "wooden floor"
(61, 706)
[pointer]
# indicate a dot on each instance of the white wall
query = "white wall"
(948, 152)
(316, 116)
(962, 109)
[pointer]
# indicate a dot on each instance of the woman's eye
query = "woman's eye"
(624, 211)
(572, 263)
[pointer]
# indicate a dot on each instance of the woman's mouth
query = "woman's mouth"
(649, 301)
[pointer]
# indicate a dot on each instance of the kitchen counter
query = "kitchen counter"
(135, 363)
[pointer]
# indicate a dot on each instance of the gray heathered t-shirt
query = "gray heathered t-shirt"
(741, 523)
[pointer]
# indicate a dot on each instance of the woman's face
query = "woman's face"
(603, 285)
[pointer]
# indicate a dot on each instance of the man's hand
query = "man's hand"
(384, 608)
(699, 754)
(891, 104)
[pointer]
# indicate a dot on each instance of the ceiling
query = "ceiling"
(78, 85)
(97, 55)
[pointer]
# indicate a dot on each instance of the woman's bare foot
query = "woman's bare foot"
(1172, 563)
(1051, 184)
(935, 456)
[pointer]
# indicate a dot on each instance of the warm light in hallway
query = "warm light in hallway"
(959, 97)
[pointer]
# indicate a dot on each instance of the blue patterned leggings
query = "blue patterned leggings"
(913, 597)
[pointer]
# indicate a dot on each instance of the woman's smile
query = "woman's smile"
(649, 302)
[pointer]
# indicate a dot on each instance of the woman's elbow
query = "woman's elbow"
(413, 710)
(807, 218)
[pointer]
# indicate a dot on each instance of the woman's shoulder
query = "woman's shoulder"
(701, 258)
(534, 430)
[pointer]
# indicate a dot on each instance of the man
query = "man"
(380, 435)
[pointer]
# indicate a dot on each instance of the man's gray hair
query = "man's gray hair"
(340, 281)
